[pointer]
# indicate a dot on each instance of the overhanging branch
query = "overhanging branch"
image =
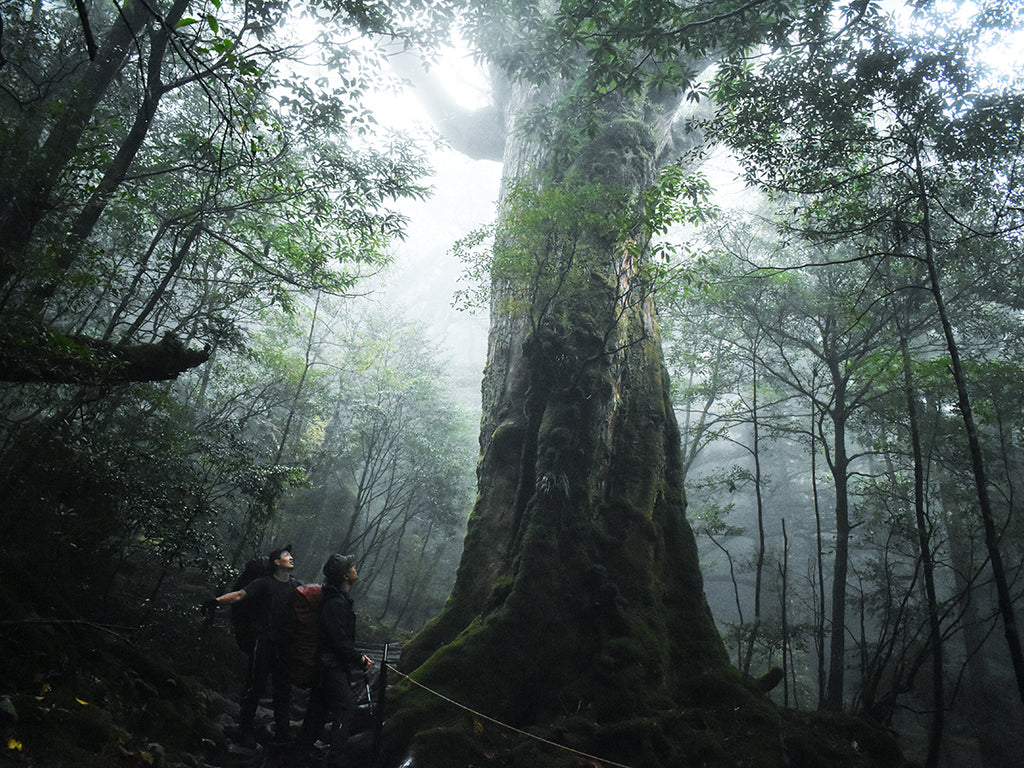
(46, 356)
(479, 134)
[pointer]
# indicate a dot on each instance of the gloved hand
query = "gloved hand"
(209, 611)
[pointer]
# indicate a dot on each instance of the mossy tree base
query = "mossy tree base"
(726, 725)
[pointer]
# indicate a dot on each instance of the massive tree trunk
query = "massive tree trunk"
(579, 610)
(579, 589)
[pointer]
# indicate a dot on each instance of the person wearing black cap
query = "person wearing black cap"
(268, 658)
(331, 695)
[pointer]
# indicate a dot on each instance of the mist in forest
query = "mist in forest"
(233, 286)
(765, 527)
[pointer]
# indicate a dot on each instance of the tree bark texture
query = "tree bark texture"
(579, 587)
(579, 610)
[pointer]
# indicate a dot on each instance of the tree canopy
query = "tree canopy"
(199, 160)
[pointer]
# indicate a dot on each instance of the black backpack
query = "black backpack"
(249, 617)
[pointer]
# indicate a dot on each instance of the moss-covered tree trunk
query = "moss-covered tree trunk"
(578, 614)
(579, 592)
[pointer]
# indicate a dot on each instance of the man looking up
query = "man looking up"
(332, 692)
(268, 658)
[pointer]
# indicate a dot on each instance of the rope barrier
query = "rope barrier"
(600, 760)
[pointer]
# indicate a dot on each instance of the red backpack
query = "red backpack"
(302, 634)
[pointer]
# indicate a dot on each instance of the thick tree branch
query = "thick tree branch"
(479, 134)
(32, 355)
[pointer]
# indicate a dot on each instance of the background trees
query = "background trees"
(863, 146)
(188, 164)
(579, 544)
(390, 471)
(191, 186)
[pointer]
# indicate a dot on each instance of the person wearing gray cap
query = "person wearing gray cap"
(331, 696)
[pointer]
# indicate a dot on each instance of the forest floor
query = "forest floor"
(93, 674)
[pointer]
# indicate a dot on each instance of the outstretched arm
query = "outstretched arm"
(230, 597)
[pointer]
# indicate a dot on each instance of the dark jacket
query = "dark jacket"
(338, 627)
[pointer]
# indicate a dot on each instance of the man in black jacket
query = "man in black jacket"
(331, 695)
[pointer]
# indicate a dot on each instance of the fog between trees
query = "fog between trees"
(200, 365)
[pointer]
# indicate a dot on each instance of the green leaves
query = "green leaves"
(678, 196)
(248, 174)
(550, 242)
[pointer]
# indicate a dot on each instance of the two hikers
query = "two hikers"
(331, 697)
(267, 658)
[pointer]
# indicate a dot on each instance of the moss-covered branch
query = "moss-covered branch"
(32, 353)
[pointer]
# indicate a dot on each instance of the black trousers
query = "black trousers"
(267, 662)
(330, 699)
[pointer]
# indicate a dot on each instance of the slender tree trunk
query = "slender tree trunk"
(1006, 611)
(819, 555)
(418, 570)
(307, 364)
(840, 566)
(141, 272)
(787, 651)
(759, 564)
(180, 254)
(985, 716)
(924, 542)
(735, 592)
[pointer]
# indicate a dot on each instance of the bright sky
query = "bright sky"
(426, 274)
